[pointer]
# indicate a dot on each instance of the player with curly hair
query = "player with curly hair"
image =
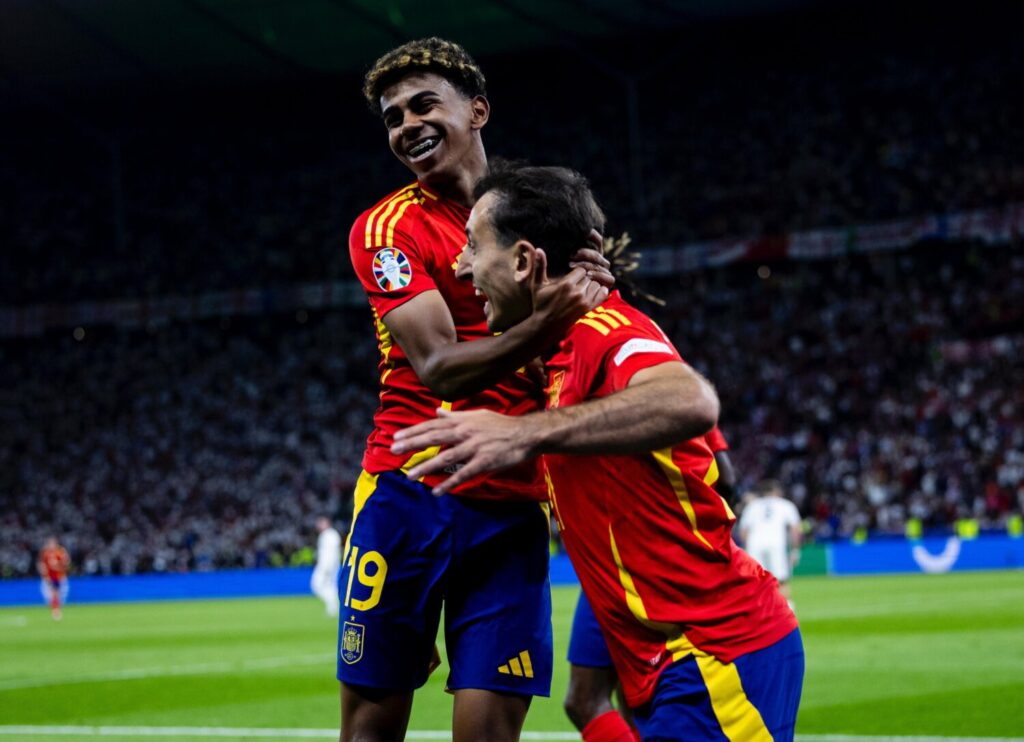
(481, 553)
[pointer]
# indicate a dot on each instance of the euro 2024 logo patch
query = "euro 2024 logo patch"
(391, 269)
(352, 637)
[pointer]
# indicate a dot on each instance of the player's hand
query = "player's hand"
(435, 660)
(591, 260)
(479, 440)
(562, 301)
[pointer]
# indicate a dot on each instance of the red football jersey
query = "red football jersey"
(55, 562)
(716, 441)
(407, 244)
(650, 539)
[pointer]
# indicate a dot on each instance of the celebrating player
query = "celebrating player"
(484, 552)
(703, 642)
(592, 678)
(53, 566)
(324, 582)
(770, 530)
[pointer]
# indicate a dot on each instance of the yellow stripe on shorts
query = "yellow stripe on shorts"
(739, 718)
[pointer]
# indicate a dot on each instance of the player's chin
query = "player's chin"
(494, 321)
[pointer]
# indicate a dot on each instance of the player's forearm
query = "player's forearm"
(638, 419)
(457, 370)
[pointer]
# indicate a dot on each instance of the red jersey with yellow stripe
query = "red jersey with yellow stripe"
(650, 539)
(407, 244)
(55, 562)
(716, 441)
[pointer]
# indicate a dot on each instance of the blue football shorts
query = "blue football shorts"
(700, 699)
(587, 647)
(408, 553)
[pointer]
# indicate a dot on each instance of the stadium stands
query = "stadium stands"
(747, 151)
(877, 388)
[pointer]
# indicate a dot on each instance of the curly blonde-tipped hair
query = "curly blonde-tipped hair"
(445, 58)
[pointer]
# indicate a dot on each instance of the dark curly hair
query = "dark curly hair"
(442, 57)
(552, 207)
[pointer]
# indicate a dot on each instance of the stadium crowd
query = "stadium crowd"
(253, 202)
(877, 388)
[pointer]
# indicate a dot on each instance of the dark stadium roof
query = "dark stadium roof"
(64, 43)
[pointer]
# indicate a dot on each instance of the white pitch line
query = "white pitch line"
(18, 621)
(296, 733)
(138, 673)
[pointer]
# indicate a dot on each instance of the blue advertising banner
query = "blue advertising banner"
(929, 555)
(227, 584)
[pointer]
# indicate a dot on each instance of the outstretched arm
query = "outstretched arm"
(661, 406)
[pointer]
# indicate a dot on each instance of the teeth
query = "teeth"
(424, 146)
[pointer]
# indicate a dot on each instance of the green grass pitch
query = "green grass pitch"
(901, 655)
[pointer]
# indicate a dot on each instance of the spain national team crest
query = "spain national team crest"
(352, 635)
(554, 389)
(391, 269)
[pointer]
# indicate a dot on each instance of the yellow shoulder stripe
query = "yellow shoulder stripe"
(389, 204)
(604, 320)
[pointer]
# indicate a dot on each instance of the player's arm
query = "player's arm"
(743, 526)
(795, 540)
(726, 484)
(660, 406)
(423, 327)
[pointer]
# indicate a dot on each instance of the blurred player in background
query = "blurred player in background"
(703, 642)
(483, 552)
(770, 530)
(324, 582)
(592, 678)
(53, 566)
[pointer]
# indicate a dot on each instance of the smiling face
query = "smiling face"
(433, 129)
(499, 272)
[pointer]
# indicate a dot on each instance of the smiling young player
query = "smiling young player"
(703, 643)
(483, 553)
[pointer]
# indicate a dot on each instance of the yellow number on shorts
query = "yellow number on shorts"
(373, 581)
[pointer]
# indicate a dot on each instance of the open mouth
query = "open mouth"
(482, 295)
(422, 148)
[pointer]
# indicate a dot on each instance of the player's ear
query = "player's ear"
(480, 112)
(529, 260)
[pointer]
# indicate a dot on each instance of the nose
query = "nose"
(464, 265)
(410, 123)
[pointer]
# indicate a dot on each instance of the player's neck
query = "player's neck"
(459, 187)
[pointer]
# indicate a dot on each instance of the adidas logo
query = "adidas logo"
(519, 666)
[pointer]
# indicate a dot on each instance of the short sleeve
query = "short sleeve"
(391, 274)
(793, 515)
(612, 345)
(636, 351)
(716, 441)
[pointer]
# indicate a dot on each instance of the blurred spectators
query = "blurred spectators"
(876, 388)
(239, 201)
(193, 446)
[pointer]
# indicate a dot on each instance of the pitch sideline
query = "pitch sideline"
(298, 733)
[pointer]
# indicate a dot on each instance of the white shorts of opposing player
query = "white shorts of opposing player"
(324, 585)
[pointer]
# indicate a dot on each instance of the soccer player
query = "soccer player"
(703, 642)
(770, 530)
(53, 565)
(592, 678)
(483, 552)
(324, 582)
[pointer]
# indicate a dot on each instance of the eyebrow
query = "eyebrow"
(415, 99)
